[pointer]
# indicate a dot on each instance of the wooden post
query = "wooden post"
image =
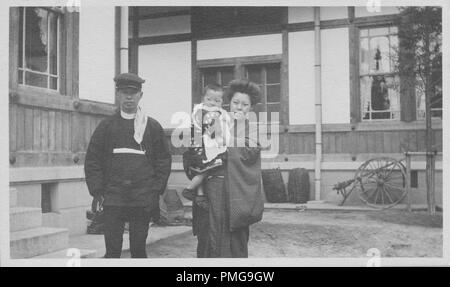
(432, 173)
(408, 180)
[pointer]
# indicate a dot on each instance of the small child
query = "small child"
(211, 123)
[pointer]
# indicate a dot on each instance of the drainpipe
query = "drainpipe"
(123, 39)
(318, 104)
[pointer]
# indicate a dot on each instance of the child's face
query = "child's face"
(213, 98)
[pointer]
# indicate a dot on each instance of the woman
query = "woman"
(233, 191)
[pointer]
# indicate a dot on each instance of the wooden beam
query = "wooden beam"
(163, 14)
(381, 20)
(40, 98)
(242, 31)
(12, 127)
(164, 39)
(305, 26)
(368, 126)
(309, 26)
(284, 83)
(325, 128)
(195, 82)
(276, 58)
(13, 46)
(64, 46)
(355, 113)
(42, 159)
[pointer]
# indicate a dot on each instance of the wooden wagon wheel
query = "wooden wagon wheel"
(381, 182)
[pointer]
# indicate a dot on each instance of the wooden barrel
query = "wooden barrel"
(298, 185)
(274, 185)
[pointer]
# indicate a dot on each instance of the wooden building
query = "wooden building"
(320, 68)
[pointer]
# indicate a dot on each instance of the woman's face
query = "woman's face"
(240, 105)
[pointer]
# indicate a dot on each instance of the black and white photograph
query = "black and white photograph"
(142, 130)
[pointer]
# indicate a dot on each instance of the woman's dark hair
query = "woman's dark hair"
(246, 87)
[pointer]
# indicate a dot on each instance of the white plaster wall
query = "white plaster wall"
(363, 11)
(300, 14)
(330, 13)
(239, 47)
(167, 71)
(301, 78)
(97, 54)
(335, 76)
(165, 26)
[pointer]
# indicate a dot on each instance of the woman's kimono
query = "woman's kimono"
(235, 199)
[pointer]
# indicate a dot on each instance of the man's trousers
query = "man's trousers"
(115, 218)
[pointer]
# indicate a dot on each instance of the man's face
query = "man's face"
(128, 99)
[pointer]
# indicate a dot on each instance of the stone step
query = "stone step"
(84, 253)
(23, 218)
(37, 241)
(12, 197)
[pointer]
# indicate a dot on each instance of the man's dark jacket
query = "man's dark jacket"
(121, 170)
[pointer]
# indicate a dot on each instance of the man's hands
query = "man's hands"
(97, 203)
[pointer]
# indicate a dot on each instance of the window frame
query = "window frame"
(67, 96)
(369, 74)
(59, 47)
(239, 65)
(263, 105)
(408, 109)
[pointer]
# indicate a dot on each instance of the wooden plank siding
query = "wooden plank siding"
(36, 129)
(51, 131)
(28, 129)
(39, 136)
(43, 137)
(20, 131)
(44, 130)
(12, 127)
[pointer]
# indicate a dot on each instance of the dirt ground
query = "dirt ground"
(328, 234)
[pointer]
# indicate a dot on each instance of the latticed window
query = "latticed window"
(267, 76)
(379, 81)
(39, 38)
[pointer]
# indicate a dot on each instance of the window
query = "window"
(267, 76)
(218, 75)
(39, 41)
(379, 81)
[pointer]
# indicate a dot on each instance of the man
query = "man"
(127, 167)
